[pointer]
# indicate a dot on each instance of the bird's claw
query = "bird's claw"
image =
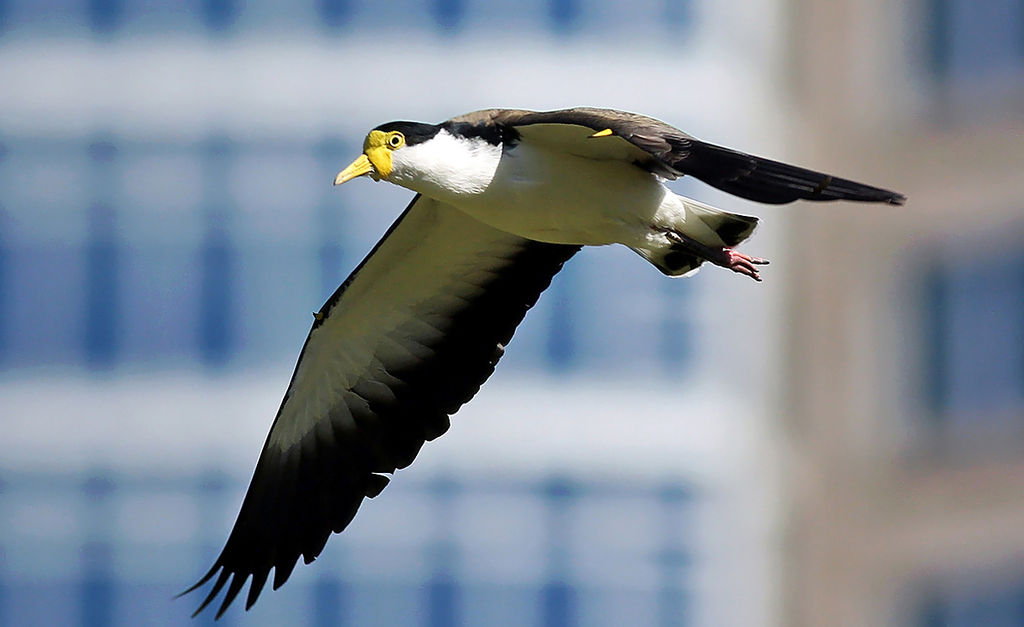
(743, 264)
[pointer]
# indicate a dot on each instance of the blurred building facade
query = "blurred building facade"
(167, 225)
(904, 411)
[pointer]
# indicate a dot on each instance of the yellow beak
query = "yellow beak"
(357, 168)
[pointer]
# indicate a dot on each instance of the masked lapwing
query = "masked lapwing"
(503, 199)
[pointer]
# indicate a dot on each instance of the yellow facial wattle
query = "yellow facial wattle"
(376, 157)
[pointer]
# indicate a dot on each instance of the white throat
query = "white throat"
(446, 167)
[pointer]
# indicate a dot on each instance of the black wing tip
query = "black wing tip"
(237, 579)
(871, 194)
(769, 181)
(896, 198)
(844, 189)
(237, 583)
(209, 575)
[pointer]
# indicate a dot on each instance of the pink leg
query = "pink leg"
(744, 264)
(725, 257)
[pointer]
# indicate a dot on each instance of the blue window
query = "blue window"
(993, 603)
(330, 218)
(101, 263)
(564, 15)
(334, 13)
(974, 357)
(5, 283)
(105, 16)
(219, 15)
(974, 39)
(216, 259)
(448, 14)
(561, 343)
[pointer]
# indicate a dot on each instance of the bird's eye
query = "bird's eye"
(396, 140)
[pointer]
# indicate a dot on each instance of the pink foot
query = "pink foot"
(744, 264)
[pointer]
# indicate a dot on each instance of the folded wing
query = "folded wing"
(671, 153)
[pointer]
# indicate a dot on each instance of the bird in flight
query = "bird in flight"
(503, 198)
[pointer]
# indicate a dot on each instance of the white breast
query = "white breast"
(446, 167)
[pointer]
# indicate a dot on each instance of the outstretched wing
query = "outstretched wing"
(406, 340)
(669, 152)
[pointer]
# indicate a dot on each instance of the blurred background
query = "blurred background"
(840, 445)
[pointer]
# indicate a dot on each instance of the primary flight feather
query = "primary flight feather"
(503, 198)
